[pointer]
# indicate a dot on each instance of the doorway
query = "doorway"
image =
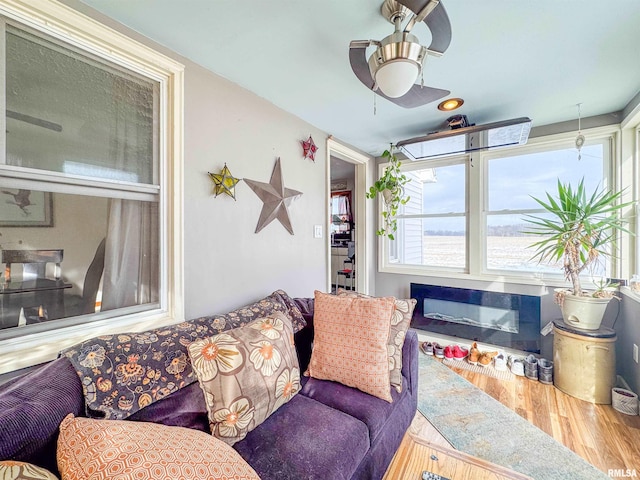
(346, 218)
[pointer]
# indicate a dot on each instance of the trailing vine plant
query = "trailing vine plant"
(391, 187)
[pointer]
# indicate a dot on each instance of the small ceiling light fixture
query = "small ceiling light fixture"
(450, 104)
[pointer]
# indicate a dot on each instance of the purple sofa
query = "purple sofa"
(328, 431)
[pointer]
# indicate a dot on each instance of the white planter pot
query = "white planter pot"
(386, 195)
(584, 312)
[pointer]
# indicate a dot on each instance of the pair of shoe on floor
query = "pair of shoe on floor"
(532, 368)
(450, 352)
(476, 357)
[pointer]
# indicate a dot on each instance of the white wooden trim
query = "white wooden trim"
(71, 26)
(363, 242)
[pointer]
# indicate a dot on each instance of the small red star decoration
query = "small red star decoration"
(309, 149)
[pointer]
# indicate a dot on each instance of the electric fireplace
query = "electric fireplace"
(503, 319)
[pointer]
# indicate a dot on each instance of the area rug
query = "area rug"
(488, 370)
(475, 423)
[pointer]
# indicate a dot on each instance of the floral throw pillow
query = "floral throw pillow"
(13, 470)
(278, 301)
(400, 321)
(115, 450)
(246, 374)
(123, 373)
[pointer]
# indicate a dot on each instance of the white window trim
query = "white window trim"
(73, 27)
(475, 188)
(387, 265)
(603, 135)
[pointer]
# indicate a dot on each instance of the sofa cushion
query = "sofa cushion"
(304, 337)
(184, 408)
(31, 409)
(246, 374)
(120, 450)
(350, 343)
(124, 373)
(306, 440)
(12, 470)
(400, 321)
(370, 410)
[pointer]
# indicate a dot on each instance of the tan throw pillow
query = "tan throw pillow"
(350, 342)
(123, 450)
(246, 374)
(400, 321)
(13, 470)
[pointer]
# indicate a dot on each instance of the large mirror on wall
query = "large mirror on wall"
(341, 217)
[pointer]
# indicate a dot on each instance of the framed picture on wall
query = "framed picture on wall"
(25, 208)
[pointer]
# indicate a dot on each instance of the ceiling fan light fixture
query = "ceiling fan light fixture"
(396, 63)
(395, 78)
(450, 104)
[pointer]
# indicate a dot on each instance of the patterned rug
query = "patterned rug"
(475, 423)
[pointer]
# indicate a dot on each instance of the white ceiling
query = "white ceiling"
(507, 59)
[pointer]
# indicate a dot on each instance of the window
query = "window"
(513, 181)
(466, 214)
(432, 226)
(91, 156)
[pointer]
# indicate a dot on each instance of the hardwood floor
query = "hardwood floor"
(602, 436)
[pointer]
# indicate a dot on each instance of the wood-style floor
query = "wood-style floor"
(598, 433)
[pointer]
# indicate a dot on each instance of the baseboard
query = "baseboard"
(424, 336)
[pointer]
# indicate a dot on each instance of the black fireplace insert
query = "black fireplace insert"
(503, 319)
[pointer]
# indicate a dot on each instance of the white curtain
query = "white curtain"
(131, 269)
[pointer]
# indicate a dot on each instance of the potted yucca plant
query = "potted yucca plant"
(391, 187)
(579, 229)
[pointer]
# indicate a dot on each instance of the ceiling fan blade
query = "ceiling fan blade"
(359, 63)
(417, 96)
(437, 21)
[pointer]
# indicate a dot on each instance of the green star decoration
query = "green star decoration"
(224, 182)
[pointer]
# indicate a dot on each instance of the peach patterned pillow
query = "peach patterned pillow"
(122, 450)
(246, 374)
(400, 321)
(350, 342)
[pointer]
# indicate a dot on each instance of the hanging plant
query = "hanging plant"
(391, 187)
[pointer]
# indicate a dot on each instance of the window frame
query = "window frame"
(87, 35)
(561, 142)
(390, 263)
(477, 182)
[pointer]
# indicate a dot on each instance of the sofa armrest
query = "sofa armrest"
(410, 359)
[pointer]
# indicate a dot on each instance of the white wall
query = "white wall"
(628, 330)
(227, 265)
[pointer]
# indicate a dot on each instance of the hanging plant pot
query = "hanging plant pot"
(583, 312)
(387, 195)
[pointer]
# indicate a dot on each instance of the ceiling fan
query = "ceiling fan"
(393, 69)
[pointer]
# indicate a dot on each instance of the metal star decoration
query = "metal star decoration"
(309, 149)
(224, 182)
(276, 199)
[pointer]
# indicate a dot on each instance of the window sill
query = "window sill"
(28, 350)
(627, 292)
(486, 277)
